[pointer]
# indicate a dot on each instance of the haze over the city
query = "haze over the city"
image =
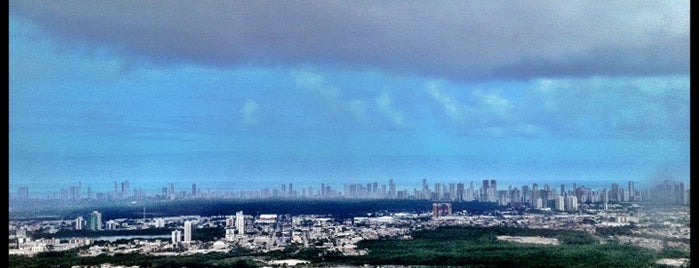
(243, 94)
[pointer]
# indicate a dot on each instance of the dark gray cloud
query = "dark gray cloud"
(452, 39)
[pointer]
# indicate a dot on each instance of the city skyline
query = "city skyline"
(238, 94)
(455, 191)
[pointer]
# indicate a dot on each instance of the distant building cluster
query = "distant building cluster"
(565, 198)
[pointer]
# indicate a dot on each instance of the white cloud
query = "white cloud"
(451, 106)
(385, 104)
(316, 83)
(250, 112)
(359, 110)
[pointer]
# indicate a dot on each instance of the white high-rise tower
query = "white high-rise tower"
(187, 231)
(240, 222)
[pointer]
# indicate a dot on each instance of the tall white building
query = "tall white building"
(159, 223)
(560, 206)
(96, 221)
(539, 203)
(230, 221)
(79, 223)
(176, 236)
(240, 222)
(571, 203)
(111, 225)
(187, 231)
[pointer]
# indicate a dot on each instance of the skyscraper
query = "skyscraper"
(560, 206)
(240, 222)
(632, 192)
(79, 223)
(391, 189)
(535, 194)
(563, 189)
(460, 191)
(571, 203)
(615, 194)
(187, 231)
(176, 236)
(484, 191)
(95, 221)
(125, 188)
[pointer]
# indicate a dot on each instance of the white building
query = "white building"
(187, 231)
(240, 222)
(571, 203)
(560, 206)
(159, 223)
(79, 223)
(230, 234)
(267, 218)
(176, 236)
(111, 225)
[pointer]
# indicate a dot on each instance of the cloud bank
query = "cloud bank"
(445, 39)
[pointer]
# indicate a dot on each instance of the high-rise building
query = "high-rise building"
(538, 203)
(484, 191)
(560, 203)
(502, 198)
(615, 194)
(187, 231)
(194, 190)
(535, 194)
(171, 191)
(176, 236)
(563, 190)
(96, 221)
(125, 188)
(230, 221)
(391, 189)
(680, 193)
(460, 193)
(571, 203)
(441, 209)
(111, 225)
(79, 223)
(526, 194)
(240, 222)
(632, 192)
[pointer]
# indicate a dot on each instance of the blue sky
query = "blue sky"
(244, 95)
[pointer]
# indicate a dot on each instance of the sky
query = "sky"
(251, 94)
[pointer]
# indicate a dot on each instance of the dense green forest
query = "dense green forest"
(478, 246)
